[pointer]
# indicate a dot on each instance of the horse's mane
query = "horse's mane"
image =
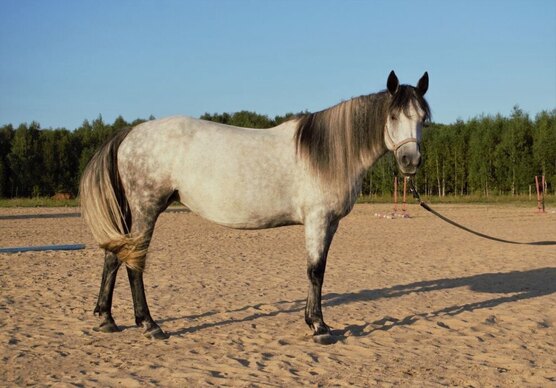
(405, 97)
(337, 140)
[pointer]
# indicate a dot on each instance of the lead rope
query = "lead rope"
(446, 219)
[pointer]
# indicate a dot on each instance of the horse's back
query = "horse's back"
(238, 177)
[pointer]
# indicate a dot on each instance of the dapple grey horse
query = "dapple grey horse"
(305, 171)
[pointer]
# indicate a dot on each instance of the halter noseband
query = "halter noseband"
(395, 145)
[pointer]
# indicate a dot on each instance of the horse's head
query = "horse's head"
(408, 111)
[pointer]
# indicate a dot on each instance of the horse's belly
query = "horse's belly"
(251, 201)
(234, 212)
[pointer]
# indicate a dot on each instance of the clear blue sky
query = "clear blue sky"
(63, 61)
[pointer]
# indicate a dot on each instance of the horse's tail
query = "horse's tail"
(105, 207)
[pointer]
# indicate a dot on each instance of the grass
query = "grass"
(38, 202)
(519, 200)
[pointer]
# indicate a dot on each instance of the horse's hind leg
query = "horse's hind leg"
(104, 302)
(142, 314)
(143, 224)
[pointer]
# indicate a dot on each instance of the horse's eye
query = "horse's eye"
(393, 117)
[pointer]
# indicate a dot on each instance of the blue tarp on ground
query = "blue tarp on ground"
(66, 247)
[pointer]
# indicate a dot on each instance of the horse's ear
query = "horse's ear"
(393, 83)
(423, 84)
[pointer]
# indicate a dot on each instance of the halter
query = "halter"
(396, 146)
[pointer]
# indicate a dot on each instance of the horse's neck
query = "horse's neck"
(345, 195)
(369, 158)
(367, 161)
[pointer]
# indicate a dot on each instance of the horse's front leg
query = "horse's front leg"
(319, 232)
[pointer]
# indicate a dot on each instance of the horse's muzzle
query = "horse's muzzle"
(409, 158)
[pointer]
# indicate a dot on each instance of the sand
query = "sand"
(412, 302)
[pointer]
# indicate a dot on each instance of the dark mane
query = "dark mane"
(405, 97)
(337, 140)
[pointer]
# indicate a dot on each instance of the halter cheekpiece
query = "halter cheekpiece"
(395, 145)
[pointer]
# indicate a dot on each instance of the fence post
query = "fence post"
(404, 203)
(540, 184)
(395, 194)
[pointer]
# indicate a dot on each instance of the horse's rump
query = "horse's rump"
(104, 205)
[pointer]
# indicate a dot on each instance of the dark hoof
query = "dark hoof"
(156, 333)
(324, 339)
(107, 327)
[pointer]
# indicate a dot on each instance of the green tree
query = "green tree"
(25, 160)
(514, 167)
(90, 136)
(435, 154)
(6, 178)
(60, 155)
(544, 146)
(243, 119)
(483, 138)
(119, 124)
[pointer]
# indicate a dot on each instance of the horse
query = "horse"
(306, 171)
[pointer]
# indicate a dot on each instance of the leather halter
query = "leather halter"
(395, 145)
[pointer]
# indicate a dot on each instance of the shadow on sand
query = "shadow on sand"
(518, 285)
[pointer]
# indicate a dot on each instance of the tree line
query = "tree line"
(486, 155)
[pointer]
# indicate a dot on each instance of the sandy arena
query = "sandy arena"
(412, 302)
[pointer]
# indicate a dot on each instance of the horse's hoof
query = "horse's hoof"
(107, 327)
(156, 333)
(324, 339)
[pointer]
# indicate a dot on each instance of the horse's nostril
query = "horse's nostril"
(405, 161)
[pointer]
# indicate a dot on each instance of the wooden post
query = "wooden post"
(404, 203)
(539, 184)
(395, 194)
(538, 193)
(529, 192)
(543, 188)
